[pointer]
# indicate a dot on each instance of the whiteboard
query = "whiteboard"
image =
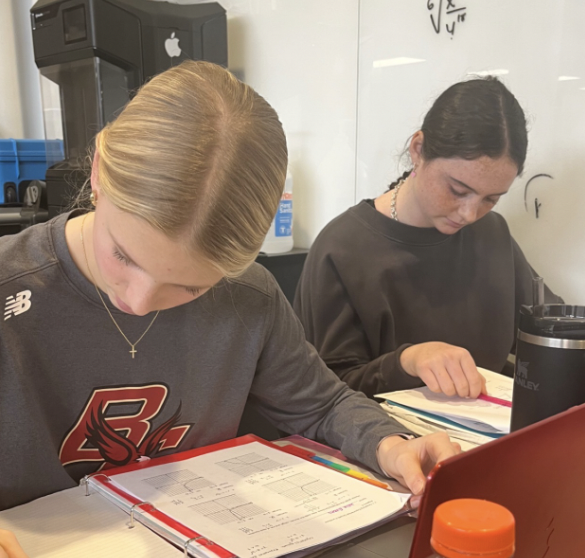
(537, 48)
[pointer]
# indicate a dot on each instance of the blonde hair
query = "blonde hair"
(200, 156)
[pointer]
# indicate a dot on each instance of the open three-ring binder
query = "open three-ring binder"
(192, 543)
(246, 498)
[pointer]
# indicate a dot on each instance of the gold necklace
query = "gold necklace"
(133, 350)
(393, 199)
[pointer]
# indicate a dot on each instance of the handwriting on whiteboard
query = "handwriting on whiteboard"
(537, 204)
(446, 14)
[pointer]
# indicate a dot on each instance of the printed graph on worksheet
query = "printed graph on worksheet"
(178, 483)
(227, 509)
(249, 464)
(299, 487)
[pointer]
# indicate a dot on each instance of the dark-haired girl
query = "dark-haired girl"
(424, 283)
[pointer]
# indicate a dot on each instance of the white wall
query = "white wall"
(346, 122)
(20, 102)
(302, 56)
(11, 121)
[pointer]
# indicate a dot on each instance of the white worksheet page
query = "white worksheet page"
(258, 501)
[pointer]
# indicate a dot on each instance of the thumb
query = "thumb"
(411, 472)
(483, 385)
(9, 547)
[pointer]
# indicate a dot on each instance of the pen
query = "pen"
(497, 400)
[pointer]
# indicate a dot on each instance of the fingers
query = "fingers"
(439, 447)
(431, 450)
(444, 369)
(410, 472)
(410, 461)
(429, 377)
(474, 381)
(9, 547)
(483, 385)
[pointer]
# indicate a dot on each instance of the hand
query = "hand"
(410, 461)
(9, 547)
(444, 369)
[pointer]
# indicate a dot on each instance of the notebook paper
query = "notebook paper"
(70, 524)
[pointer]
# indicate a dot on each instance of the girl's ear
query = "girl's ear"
(94, 175)
(415, 148)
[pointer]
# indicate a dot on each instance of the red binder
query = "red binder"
(174, 531)
(537, 472)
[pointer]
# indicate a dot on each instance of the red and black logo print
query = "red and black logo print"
(103, 434)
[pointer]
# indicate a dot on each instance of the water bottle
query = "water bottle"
(279, 238)
(470, 528)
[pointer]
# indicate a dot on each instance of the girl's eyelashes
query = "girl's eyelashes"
(193, 291)
(457, 193)
(118, 255)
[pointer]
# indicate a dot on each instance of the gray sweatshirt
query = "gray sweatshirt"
(73, 401)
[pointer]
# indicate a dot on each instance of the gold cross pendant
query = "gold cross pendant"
(133, 351)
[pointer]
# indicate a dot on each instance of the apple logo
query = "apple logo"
(172, 46)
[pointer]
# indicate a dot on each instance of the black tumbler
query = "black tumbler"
(549, 375)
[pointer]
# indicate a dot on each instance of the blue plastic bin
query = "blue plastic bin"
(23, 160)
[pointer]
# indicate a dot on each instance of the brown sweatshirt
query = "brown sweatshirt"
(372, 286)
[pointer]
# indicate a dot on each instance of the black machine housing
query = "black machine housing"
(99, 52)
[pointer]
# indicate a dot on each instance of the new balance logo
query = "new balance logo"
(18, 304)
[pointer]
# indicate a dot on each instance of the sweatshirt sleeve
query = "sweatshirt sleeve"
(332, 324)
(296, 391)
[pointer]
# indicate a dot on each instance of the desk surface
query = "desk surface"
(388, 541)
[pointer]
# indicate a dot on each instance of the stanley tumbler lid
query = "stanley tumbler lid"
(557, 321)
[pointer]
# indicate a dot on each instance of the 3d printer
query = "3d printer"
(94, 54)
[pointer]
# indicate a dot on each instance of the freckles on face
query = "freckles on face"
(457, 192)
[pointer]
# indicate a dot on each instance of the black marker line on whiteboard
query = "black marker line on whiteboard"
(540, 175)
(536, 206)
(430, 6)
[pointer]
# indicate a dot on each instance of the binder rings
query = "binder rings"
(246, 498)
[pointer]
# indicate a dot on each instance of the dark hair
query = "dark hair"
(475, 118)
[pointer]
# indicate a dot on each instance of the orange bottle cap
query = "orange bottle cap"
(469, 527)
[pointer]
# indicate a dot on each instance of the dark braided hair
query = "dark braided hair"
(404, 176)
(475, 118)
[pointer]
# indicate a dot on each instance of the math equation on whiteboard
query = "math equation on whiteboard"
(446, 15)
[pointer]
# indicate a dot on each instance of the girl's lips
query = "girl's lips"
(122, 306)
(453, 224)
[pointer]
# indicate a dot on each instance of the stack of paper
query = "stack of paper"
(423, 425)
(432, 411)
(69, 524)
